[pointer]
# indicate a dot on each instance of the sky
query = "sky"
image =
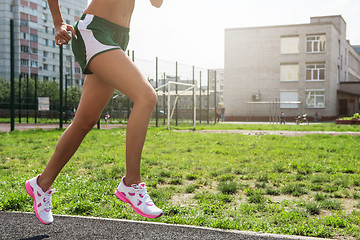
(192, 31)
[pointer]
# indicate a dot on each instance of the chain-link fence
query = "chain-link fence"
(40, 101)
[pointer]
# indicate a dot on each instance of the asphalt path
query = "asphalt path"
(25, 226)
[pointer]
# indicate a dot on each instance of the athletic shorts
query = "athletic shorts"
(96, 35)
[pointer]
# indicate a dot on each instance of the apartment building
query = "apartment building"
(296, 69)
(36, 54)
(357, 48)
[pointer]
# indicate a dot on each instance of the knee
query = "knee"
(148, 99)
(85, 124)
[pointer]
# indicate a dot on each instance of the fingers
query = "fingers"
(72, 30)
(63, 35)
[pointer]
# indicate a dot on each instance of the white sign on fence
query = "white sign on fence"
(44, 103)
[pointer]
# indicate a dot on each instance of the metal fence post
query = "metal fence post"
(36, 100)
(200, 99)
(61, 88)
(215, 101)
(176, 92)
(156, 86)
(27, 98)
(20, 76)
(208, 98)
(164, 103)
(12, 76)
(194, 96)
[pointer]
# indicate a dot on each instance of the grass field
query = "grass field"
(308, 186)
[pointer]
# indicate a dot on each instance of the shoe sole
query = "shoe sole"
(137, 210)
(30, 191)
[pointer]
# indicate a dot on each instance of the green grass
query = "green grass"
(307, 186)
(276, 127)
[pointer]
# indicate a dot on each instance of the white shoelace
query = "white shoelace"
(47, 199)
(143, 192)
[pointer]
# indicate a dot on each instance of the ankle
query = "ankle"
(43, 184)
(130, 181)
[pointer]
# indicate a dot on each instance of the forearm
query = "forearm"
(156, 3)
(55, 12)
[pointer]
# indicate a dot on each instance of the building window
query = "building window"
(46, 42)
(34, 64)
(25, 36)
(24, 23)
(45, 17)
(45, 54)
(33, 37)
(45, 67)
(315, 98)
(24, 62)
(77, 70)
(54, 68)
(34, 50)
(44, 4)
(46, 78)
(24, 48)
(289, 45)
(289, 99)
(315, 72)
(315, 44)
(54, 44)
(289, 72)
(46, 29)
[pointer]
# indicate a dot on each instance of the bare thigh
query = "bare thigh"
(117, 70)
(95, 95)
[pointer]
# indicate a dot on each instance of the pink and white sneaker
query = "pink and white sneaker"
(139, 199)
(42, 200)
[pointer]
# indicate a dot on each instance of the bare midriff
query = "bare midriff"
(116, 11)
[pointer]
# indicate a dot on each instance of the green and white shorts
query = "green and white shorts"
(96, 35)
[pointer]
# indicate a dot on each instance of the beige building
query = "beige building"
(296, 69)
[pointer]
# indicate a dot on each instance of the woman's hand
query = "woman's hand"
(62, 35)
(156, 3)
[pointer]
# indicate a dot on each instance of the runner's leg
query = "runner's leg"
(95, 95)
(116, 69)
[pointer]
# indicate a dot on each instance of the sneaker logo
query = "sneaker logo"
(38, 194)
(47, 210)
(39, 205)
(141, 195)
(149, 204)
(122, 193)
(139, 202)
(131, 194)
(32, 189)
